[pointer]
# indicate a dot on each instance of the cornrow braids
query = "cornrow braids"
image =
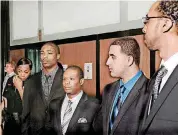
(169, 8)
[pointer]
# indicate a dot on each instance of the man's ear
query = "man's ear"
(130, 60)
(167, 25)
(81, 81)
(58, 56)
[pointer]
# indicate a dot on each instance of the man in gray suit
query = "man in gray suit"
(40, 90)
(161, 33)
(124, 100)
(76, 110)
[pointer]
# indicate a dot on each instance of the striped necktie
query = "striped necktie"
(67, 117)
(117, 105)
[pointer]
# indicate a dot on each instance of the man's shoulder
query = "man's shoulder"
(93, 100)
(110, 85)
(142, 80)
(34, 78)
(59, 72)
(87, 99)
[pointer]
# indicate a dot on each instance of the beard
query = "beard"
(151, 42)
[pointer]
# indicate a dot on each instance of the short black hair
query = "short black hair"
(24, 61)
(129, 46)
(53, 45)
(79, 70)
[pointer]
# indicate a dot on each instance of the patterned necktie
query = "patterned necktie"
(47, 86)
(117, 105)
(67, 116)
(161, 73)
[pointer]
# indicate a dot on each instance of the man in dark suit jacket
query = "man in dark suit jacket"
(161, 33)
(40, 90)
(123, 101)
(76, 119)
(8, 80)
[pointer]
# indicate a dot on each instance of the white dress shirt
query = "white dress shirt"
(75, 102)
(170, 65)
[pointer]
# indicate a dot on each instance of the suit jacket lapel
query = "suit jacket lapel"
(76, 113)
(129, 100)
(110, 102)
(39, 87)
(169, 85)
(58, 120)
(149, 89)
(55, 85)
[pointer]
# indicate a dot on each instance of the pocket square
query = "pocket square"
(82, 120)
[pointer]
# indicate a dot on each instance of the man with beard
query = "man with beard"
(40, 90)
(161, 33)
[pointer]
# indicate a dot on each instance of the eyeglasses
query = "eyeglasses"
(147, 18)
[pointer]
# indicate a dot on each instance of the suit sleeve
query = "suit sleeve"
(26, 108)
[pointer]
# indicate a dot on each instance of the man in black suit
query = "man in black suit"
(40, 89)
(161, 33)
(124, 100)
(8, 80)
(76, 110)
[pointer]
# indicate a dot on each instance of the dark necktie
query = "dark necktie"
(47, 86)
(117, 106)
(161, 73)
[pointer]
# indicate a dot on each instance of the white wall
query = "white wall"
(24, 19)
(67, 19)
(73, 15)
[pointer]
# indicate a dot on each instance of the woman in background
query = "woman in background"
(14, 97)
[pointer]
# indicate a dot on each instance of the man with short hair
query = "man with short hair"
(8, 80)
(161, 33)
(124, 99)
(76, 110)
(40, 90)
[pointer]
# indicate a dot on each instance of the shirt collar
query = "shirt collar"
(52, 73)
(11, 74)
(171, 63)
(76, 97)
(129, 84)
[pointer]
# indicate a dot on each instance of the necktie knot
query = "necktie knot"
(162, 72)
(47, 77)
(69, 102)
(122, 89)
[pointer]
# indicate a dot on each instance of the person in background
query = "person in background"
(40, 90)
(124, 100)
(76, 110)
(14, 96)
(8, 80)
(3, 105)
(161, 34)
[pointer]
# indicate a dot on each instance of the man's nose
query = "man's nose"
(107, 62)
(144, 29)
